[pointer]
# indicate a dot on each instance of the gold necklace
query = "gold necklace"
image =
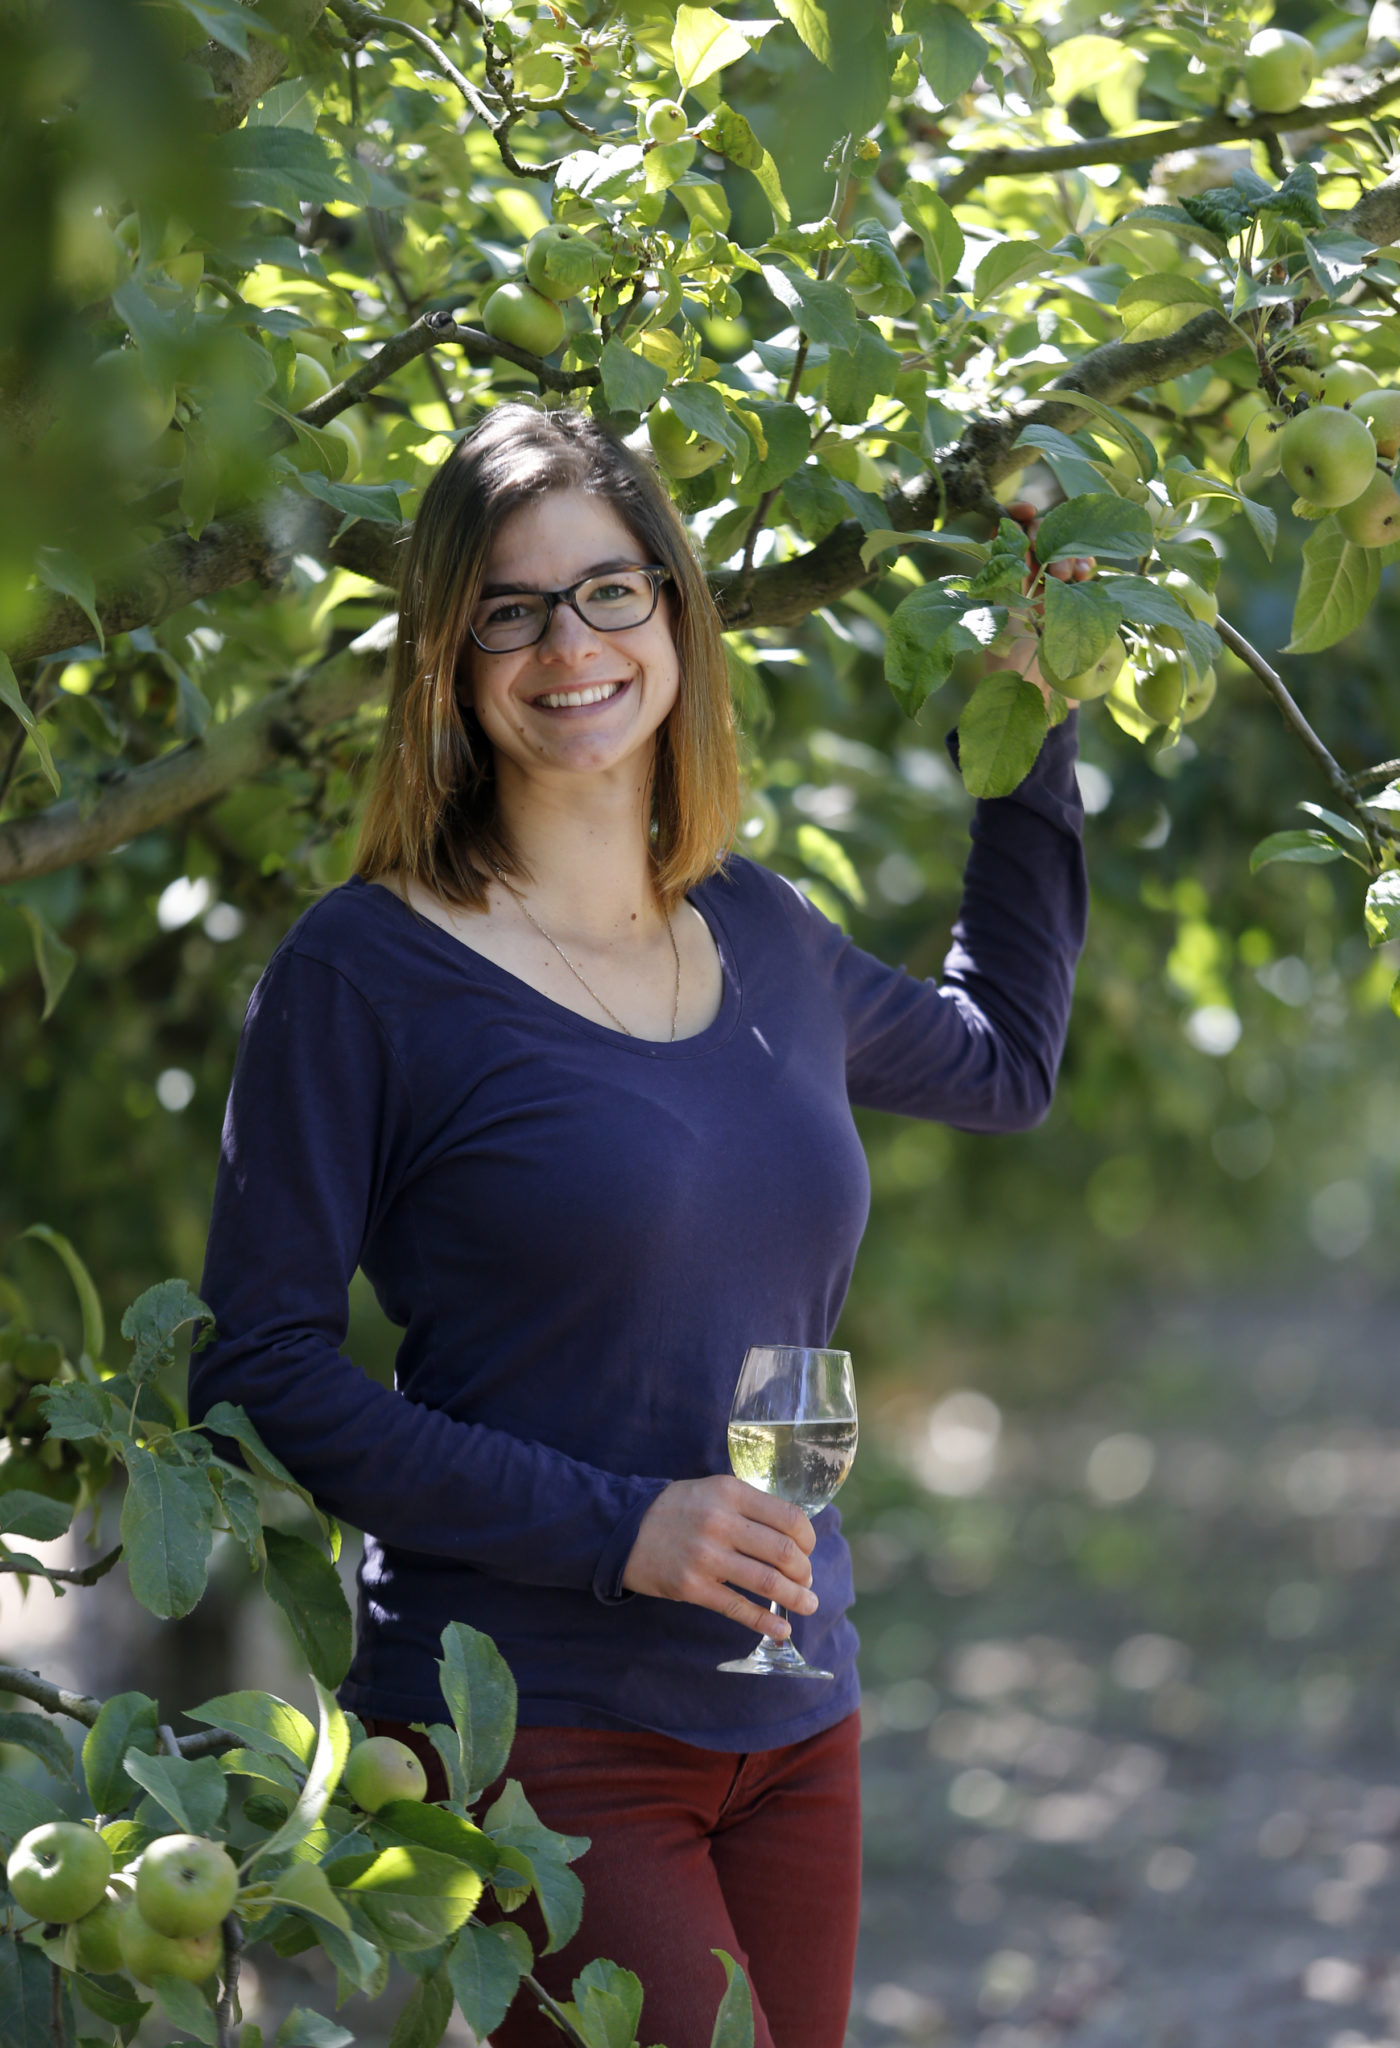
(675, 954)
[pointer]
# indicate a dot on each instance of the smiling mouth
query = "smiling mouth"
(571, 700)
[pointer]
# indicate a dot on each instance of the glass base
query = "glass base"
(772, 1659)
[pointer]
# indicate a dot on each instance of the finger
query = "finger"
(756, 1506)
(767, 1582)
(770, 1547)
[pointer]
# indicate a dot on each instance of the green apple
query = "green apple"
(1098, 679)
(343, 429)
(1381, 412)
(148, 1954)
(1159, 691)
(59, 1871)
(38, 1359)
(99, 1948)
(1202, 604)
(516, 313)
(1343, 383)
(310, 380)
(1198, 696)
(380, 1769)
(139, 414)
(1327, 455)
(561, 262)
(665, 122)
(679, 450)
(185, 1885)
(185, 270)
(310, 343)
(1373, 519)
(1278, 69)
(540, 75)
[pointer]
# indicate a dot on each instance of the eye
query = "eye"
(506, 611)
(612, 593)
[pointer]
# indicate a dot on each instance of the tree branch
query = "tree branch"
(200, 772)
(1155, 142)
(30, 1567)
(28, 1685)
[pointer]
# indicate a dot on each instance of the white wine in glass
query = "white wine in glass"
(792, 1432)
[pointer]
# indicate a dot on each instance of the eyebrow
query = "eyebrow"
(541, 590)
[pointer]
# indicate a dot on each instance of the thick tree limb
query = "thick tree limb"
(136, 800)
(1155, 142)
(41, 1692)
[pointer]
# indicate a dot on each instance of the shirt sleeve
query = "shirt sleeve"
(980, 1049)
(317, 1137)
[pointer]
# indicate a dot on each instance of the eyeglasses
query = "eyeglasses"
(609, 602)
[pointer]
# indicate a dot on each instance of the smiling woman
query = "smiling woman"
(572, 1083)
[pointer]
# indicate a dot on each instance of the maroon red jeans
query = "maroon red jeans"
(693, 1850)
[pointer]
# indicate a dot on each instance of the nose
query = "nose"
(568, 636)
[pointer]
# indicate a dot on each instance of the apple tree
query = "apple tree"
(134, 1886)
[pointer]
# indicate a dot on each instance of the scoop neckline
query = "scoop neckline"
(720, 1028)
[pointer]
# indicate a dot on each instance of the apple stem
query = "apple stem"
(228, 1997)
(56, 2005)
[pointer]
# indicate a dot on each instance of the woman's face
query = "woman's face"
(531, 701)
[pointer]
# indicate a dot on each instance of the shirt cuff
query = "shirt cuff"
(612, 1560)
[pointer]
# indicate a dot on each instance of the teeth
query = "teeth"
(598, 694)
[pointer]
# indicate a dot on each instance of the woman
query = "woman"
(575, 1090)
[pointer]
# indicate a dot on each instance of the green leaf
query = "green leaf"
(192, 1790)
(414, 1897)
(811, 20)
(826, 857)
(89, 1305)
(238, 1498)
(630, 382)
(1080, 621)
(227, 23)
(403, 1821)
(513, 1824)
(167, 1528)
(303, 2028)
(954, 53)
(1337, 589)
(923, 636)
(705, 412)
(788, 432)
(64, 573)
(109, 2005)
(702, 43)
(423, 2018)
(734, 2020)
(1007, 263)
(33, 1515)
(1073, 470)
(485, 1965)
(54, 960)
(1145, 603)
(1100, 523)
(1312, 849)
(936, 225)
(1342, 827)
(185, 2004)
(856, 377)
(127, 1721)
(1121, 428)
(307, 1588)
(1159, 303)
(1000, 733)
(481, 1698)
(283, 168)
(1296, 199)
(11, 696)
(262, 1721)
(153, 1321)
(824, 312)
(306, 1887)
(35, 1732)
(379, 503)
(77, 1411)
(327, 1764)
(607, 2004)
(22, 1808)
(224, 1419)
(1383, 908)
(24, 1995)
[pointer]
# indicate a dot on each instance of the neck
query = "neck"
(585, 846)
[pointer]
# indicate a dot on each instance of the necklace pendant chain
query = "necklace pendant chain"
(578, 977)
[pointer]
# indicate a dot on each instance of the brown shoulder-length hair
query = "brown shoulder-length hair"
(431, 811)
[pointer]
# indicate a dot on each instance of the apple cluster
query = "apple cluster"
(560, 263)
(31, 1461)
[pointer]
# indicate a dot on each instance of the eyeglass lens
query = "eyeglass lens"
(609, 603)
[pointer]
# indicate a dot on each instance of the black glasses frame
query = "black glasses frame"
(655, 572)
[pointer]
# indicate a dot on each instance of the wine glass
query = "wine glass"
(792, 1431)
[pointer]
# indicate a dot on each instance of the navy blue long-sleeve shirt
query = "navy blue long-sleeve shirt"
(580, 1234)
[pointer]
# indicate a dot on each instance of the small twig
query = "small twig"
(1127, 149)
(41, 1692)
(169, 1738)
(555, 2011)
(1384, 771)
(228, 1997)
(1341, 783)
(88, 1576)
(56, 1976)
